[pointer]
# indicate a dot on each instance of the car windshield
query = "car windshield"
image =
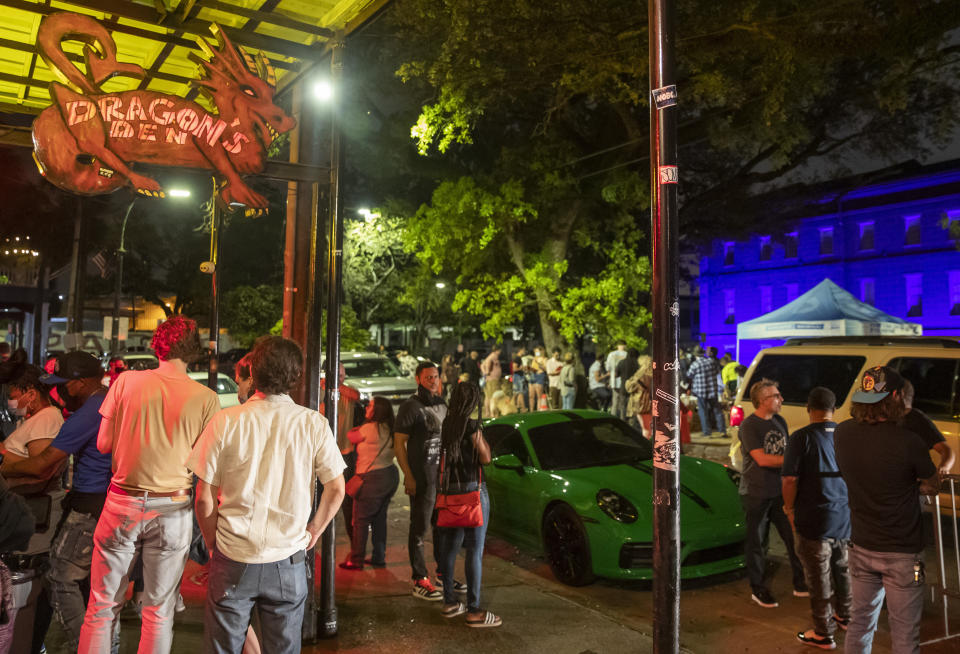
(371, 368)
(586, 443)
(225, 385)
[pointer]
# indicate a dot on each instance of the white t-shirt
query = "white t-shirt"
(264, 456)
(45, 423)
(595, 368)
(553, 366)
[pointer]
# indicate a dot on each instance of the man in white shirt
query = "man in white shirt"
(257, 463)
(554, 366)
(615, 357)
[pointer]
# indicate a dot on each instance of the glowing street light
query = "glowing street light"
(441, 285)
(179, 193)
(323, 90)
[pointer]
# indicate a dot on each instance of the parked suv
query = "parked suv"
(372, 374)
(931, 364)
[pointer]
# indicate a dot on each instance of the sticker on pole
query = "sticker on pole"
(665, 451)
(665, 96)
(668, 174)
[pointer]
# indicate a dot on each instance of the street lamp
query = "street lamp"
(115, 320)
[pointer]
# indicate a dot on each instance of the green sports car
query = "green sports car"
(579, 485)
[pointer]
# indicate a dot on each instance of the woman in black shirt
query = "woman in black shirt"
(463, 450)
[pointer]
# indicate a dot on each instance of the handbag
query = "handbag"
(459, 509)
(355, 483)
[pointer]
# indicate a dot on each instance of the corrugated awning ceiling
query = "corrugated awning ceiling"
(159, 34)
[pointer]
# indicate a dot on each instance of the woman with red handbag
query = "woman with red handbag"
(463, 506)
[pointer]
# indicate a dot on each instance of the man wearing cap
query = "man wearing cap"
(884, 488)
(151, 420)
(77, 376)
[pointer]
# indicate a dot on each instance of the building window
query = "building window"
(868, 291)
(766, 299)
(826, 241)
(866, 236)
(728, 253)
(952, 224)
(911, 230)
(955, 292)
(766, 250)
(728, 307)
(792, 291)
(914, 284)
(790, 245)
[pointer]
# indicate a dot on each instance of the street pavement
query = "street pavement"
(377, 613)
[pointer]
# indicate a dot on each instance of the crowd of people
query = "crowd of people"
(845, 500)
(160, 473)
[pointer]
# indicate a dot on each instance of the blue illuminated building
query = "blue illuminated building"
(886, 242)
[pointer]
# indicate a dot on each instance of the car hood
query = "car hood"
(372, 385)
(705, 489)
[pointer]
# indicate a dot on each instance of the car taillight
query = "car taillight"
(736, 416)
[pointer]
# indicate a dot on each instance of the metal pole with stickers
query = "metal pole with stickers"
(666, 310)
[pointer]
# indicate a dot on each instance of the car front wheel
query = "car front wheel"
(566, 546)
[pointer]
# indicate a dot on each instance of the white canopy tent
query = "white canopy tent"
(825, 310)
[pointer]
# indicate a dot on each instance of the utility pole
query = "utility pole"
(328, 603)
(666, 310)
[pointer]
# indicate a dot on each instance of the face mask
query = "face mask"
(15, 407)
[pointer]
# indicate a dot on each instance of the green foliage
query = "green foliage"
(250, 312)
(952, 227)
(374, 264)
(353, 335)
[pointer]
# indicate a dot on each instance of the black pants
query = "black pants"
(760, 512)
(421, 517)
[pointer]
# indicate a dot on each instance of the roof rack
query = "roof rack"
(915, 341)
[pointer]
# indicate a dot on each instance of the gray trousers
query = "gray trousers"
(899, 577)
(825, 565)
(275, 591)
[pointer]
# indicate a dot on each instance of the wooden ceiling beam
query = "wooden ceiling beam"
(145, 14)
(270, 18)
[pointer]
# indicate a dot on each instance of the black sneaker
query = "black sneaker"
(423, 589)
(458, 586)
(763, 597)
(811, 638)
(843, 623)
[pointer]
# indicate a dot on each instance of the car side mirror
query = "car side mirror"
(508, 462)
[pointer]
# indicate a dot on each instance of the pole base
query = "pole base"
(327, 625)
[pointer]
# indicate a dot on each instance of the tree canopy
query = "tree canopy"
(541, 110)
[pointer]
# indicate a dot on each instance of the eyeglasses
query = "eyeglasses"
(773, 395)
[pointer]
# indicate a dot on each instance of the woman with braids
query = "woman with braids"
(463, 449)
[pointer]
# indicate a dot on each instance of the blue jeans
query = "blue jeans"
(370, 513)
(710, 415)
(276, 591)
(159, 531)
(451, 539)
(894, 574)
(567, 396)
(70, 556)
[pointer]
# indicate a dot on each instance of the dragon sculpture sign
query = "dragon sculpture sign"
(86, 141)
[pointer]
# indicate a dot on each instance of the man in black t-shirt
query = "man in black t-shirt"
(815, 501)
(920, 424)
(417, 446)
(886, 468)
(763, 438)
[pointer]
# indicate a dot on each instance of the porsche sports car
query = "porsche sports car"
(578, 485)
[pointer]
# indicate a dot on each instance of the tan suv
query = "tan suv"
(931, 364)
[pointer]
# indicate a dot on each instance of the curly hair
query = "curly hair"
(29, 380)
(177, 338)
(889, 409)
(243, 367)
(276, 364)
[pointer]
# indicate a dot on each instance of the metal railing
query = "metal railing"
(943, 587)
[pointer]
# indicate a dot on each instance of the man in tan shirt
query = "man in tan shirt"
(151, 420)
(257, 465)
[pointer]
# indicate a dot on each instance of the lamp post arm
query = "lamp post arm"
(118, 288)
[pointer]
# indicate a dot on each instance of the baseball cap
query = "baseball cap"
(73, 365)
(876, 384)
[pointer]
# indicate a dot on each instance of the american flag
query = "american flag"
(100, 262)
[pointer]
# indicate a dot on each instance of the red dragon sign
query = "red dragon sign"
(85, 142)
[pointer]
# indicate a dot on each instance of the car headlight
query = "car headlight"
(616, 506)
(365, 397)
(733, 474)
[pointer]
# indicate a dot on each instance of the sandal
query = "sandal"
(454, 610)
(489, 620)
